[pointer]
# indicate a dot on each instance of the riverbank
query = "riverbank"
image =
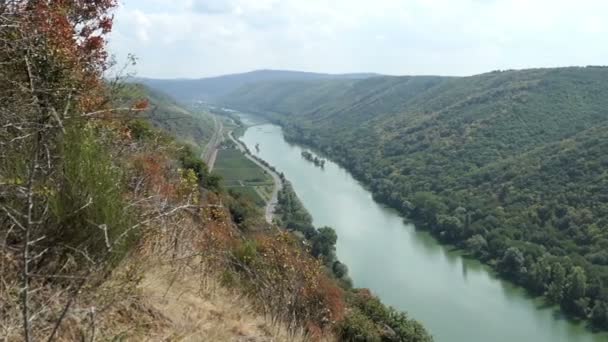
(278, 184)
(457, 298)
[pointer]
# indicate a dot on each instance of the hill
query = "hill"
(506, 165)
(115, 230)
(189, 125)
(212, 88)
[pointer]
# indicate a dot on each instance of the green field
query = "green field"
(243, 176)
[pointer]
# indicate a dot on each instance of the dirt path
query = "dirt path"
(187, 310)
(278, 185)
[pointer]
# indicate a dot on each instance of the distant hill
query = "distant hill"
(212, 88)
(510, 166)
(185, 124)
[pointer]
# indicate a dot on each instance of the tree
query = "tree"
(575, 291)
(477, 244)
(324, 243)
(576, 284)
(340, 270)
(63, 211)
(512, 263)
(451, 224)
(555, 291)
(599, 314)
(540, 274)
(426, 207)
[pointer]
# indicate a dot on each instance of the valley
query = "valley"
(395, 171)
(506, 166)
(449, 292)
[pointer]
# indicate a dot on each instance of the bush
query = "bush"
(395, 325)
(88, 206)
(140, 129)
(189, 160)
(356, 326)
(243, 211)
(246, 253)
(406, 329)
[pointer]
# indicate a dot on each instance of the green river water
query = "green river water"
(457, 299)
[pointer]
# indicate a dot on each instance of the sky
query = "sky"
(202, 38)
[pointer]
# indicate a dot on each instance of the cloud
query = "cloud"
(212, 6)
(142, 25)
(181, 38)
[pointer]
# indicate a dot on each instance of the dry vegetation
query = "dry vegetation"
(111, 230)
(91, 200)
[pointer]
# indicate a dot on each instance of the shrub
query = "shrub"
(189, 160)
(396, 325)
(140, 129)
(88, 206)
(288, 283)
(246, 253)
(356, 326)
(406, 329)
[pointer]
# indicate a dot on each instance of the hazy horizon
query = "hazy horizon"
(358, 72)
(205, 38)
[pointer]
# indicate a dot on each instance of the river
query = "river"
(457, 299)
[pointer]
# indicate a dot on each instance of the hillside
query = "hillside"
(113, 229)
(192, 126)
(506, 165)
(212, 88)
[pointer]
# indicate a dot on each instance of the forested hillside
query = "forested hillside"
(212, 88)
(163, 112)
(510, 166)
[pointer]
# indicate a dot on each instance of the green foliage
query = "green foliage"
(324, 243)
(512, 262)
(140, 129)
(89, 202)
(190, 160)
(406, 329)
(294, 216)
(250, 193)
(477, 244)
(246, 253)
(358, 327)
(187, 125)
(235, 169)
(243, 210)
(387, 324)
(292, 212)
(555, 292)
(489, 163)
(213, 88)
(339, 269)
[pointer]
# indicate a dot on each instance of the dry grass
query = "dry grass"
(195, 310)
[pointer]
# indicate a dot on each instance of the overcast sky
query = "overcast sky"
(199, 38)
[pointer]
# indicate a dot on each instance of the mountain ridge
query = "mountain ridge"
(208, 89)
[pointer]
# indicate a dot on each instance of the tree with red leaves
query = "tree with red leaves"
(52, 60)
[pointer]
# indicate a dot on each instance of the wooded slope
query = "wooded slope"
(510, 166)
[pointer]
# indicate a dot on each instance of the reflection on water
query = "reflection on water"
(456, 298)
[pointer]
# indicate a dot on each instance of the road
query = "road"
(278, 185)
(210, 153)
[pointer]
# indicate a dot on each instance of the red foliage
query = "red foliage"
(106, 25)
(298, 281)
(156, 172)
(364, 293)
(333, 298)
(141, 105)
(315, 332)
(71, 44)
